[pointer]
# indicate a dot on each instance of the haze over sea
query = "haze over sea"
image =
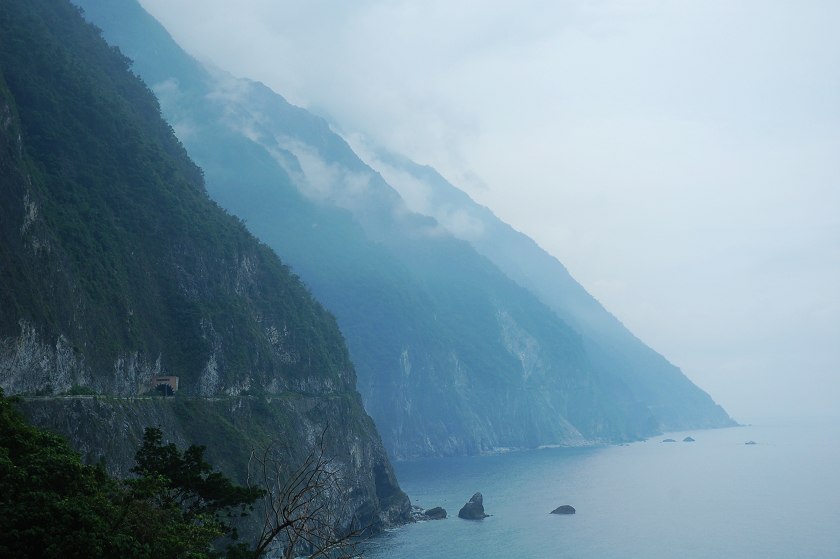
(715, 497)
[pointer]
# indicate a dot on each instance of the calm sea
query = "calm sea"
(715, 497)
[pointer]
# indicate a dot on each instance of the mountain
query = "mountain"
(453, 355)
(679, 404)
(116, 268)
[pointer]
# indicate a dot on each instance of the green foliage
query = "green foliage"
(179, 502)
(190, 482)
(52, 505)
(140, 259)
(77, 390)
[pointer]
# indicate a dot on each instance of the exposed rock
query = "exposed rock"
(750, 442)
(688, 440)
(473, 509)
(419, 514)
(135, 287)
(108, 429)
(564, 509)
(668, 441)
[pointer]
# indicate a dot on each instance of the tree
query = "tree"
(179, 502)
(51, 503)
(178, 507)
(304, 510)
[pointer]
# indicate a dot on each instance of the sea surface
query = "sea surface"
(713, 498)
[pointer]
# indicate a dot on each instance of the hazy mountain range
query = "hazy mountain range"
(466, 336)
(129, 227)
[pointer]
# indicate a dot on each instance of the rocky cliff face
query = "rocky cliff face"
(116, 267)
(657, 385)
(453, 356)
(107, 429)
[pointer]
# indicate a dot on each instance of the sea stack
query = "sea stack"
(564, 509)
(473, 509)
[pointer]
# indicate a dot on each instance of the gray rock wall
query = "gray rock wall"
(109, 429)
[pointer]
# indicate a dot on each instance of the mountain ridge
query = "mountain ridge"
(528, 264)
(452, 355)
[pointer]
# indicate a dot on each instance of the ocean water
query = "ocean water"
(715, 497)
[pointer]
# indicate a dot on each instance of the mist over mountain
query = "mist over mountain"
(460, 347)
(117, 268)
(612, 347)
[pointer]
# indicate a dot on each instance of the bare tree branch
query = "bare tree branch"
(304, 510)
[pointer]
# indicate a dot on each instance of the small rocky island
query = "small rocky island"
(473, 509)
(436, 513)
(564, 509)
(668, 441)
(688, 440)
(419, 514)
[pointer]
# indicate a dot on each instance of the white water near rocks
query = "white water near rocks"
(715, 497)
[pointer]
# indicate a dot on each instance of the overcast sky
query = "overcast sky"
(681, 158)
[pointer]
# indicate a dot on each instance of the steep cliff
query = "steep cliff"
(107, 428)
(453, 356)
(116, 267)
(613, 349)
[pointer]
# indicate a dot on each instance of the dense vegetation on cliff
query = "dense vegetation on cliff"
(110, 240)
(53, 505)
(116, 267)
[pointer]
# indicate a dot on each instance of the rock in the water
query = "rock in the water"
(419, 514)
(436, 513)
(473, 509)
(688, 440)
(668, 441)
(564, 509)
(750, 442)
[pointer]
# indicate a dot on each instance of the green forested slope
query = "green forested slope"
(112, 241)
(115, 266)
